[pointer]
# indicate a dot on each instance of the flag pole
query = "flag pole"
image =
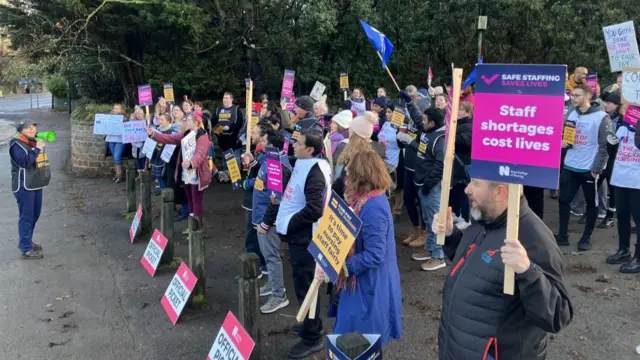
(389, 72)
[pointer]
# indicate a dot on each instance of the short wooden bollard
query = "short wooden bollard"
(166, 224)
(131, 186)
(249, 300)
(196, 260)
(145, 200)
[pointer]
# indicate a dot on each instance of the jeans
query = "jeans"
(270, 248)
(430, 207)
(195, 199)
(251, 244)
(410, 198)
(628, 205)
(303, 268)
(29, 208)
(570, 182)
(162, 182)
(459, 201)
(141, 162)
(117, 149)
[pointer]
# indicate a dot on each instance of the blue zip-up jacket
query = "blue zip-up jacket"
(262, 195)
(247, 185)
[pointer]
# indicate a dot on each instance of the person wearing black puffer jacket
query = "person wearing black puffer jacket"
(462, 160)
(478, 320)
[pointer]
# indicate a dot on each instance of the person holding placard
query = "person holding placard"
(302, 205)
(116, 147)
(266, 204)
(478, 320)
(379, 107)
(227, 121)
(358, 102)
(194, 171)
(158, 166)
(136, 147)
(374, 278)
(584, 163)
(625, 177)
(160, 108)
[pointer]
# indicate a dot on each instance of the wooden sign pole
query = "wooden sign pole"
(249, 105)
(311, 297)
(450, 150)
(389, 72)
(513, 217)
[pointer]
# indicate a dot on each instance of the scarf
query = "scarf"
(29, 141)
(357, 204)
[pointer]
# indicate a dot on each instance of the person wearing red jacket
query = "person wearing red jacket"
(194, 173)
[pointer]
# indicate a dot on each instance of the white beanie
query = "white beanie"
(343, 118)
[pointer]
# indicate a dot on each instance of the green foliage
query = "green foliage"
(207, 47)
(57, 84)
(85, 112)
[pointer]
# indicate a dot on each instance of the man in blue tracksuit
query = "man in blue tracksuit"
(30, 173)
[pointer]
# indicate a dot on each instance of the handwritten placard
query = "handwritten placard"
(107, 124)
(631, 86)
(134, 131)
(167, 152)
(178, 292)
(622, 45)
(153, 253)
(149, 147)
(145, 96)
(336, 233)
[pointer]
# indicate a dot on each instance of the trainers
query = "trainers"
(274, 304)
(421, 256)
(32, 255)
(574, 213)
(185, 231)
(606, 223)
(302, 350)
(265, 290)
(433, 264)
(36, 247)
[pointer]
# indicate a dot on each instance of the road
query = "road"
(90, 298)
(16, 107)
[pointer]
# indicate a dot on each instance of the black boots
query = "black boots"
(632, 267)
(562, 240)
(585, 243)
(621, 257)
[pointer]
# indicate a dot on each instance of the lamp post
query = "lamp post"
(482, 26)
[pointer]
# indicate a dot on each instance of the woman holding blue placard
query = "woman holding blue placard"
(370, 297)
(116, 147)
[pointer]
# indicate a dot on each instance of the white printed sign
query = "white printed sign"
(153, 253)
(135, 224)
(621, 45)
(178, 292)
(317, 91)
(107, 124)
(167, 152)
(232, 342)
(149, 147)
(631, 86)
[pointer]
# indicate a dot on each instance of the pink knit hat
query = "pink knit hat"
(363, 125)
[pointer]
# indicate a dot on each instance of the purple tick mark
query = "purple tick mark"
(488, 81)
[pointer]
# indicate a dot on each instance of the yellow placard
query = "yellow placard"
(234, 170)
(168, 94)
(259, 185)
(224, 116)
(254, 120)
(397, 118)
(344, 81)
(569, 134)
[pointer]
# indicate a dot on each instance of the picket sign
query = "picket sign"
(153, 253)
(178, 292)
(232, 341)
(450, 151)
(513, 225)
(248, 107)
(135, 224)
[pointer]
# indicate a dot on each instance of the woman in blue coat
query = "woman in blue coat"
(370, 298)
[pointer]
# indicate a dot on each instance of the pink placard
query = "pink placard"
(533, 138)
(178, 292)
(135, 223)
(232, 341)
(145, 96)
(632, 115)
(153, 253)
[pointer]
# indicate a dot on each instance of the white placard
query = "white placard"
(107, 124)
(621, 45)
(149, 147)
(318, 90)
(167, 152)
(631, 86)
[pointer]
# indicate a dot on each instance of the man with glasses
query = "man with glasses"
(585, 160)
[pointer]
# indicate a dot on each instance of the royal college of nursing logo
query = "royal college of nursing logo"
(504, 170)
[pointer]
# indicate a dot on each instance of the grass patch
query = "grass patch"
(174, 264)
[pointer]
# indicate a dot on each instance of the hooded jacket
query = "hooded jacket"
(463, 149)
(414, 128)
(478, 319)
(430, 149)
(604, 130)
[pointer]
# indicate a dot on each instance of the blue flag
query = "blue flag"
(379, 41)
(471, 79)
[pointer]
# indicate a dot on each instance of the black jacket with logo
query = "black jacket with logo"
(477, 317)
(414, 124)
(430, 150)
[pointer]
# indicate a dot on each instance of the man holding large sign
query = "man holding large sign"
(517, 131)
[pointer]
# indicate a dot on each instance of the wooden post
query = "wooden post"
(249, 113)
(145, 200)
(131, 186)
(249, 300)
(513, 222)
(309, 299)
(166, 224)
(197, 260)
(450, 151)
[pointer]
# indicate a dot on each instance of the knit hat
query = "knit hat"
(363, 125)
(381, 101)
(423, 92)
(343, 118)
(438, 90)
(305, 103)
(613, 98)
